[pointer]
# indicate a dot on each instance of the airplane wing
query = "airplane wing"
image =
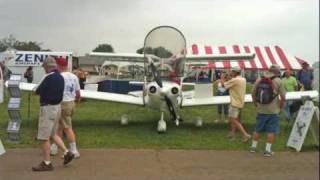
(134, 57)
(226, 99)
(104, 96)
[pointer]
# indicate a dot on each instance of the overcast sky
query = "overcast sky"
(80, 25)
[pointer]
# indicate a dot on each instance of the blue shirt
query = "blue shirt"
(51, 89)
(305, 78)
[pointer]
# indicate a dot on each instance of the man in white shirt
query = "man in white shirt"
(70, 95)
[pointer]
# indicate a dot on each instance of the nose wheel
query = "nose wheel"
(162, 125)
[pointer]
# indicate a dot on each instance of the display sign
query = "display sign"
(27, 58)
(1, 91)
(2, 150)
(1, 87)
(299, 131)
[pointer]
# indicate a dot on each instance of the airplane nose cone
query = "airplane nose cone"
(163, 91)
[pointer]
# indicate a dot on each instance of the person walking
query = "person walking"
(50, 90)
(222, 91)
(237, 90)
(70, 95)
(268, 96)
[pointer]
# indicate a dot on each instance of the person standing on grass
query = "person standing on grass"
(29, 74)
(70, 95)
(222, 91)
(265, 96)
(290, 83)
(305, 77)
(237, 90)
(50, 90)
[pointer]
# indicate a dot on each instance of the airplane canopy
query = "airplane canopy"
(265, 56)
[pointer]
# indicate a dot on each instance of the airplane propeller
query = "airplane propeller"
(169, 103)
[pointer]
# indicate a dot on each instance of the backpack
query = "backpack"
(264, 90)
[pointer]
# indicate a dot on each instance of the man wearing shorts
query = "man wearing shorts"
(237, 90)
(267, 119)
(50, 90)
(70, 95)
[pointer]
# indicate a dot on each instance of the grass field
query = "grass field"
(97, 125)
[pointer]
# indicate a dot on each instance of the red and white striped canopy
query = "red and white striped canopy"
(265, 56)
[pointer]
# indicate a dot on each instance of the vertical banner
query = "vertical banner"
(2, 151)
(1, 86)
(301, 126)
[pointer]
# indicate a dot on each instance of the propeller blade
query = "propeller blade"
(172, 110)
(156, 75)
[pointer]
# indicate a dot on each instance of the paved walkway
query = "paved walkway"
(163, 165)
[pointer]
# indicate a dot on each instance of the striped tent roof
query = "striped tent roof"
(265, 56)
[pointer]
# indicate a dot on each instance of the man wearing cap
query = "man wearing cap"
(305, 77)
(71, 93)
(50, 90)
(267, 119)
(237, 90)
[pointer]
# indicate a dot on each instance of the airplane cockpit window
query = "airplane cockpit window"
(164, 52)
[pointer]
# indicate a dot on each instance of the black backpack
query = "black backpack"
(264, 90)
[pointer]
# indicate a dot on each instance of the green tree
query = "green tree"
(140, 51)
(12, 42)
(159, 51)
(104, 48)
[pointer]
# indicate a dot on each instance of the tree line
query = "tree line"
(12, 42)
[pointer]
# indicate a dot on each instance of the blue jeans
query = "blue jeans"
(225, 107)
(287, 112)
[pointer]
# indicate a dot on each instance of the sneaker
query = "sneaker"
(68, 157)
(43, 167)
(267, 153)
(76, 154)
(53, 149)
(246, 138)
(226, 121)
(253, 149)
(216, 121)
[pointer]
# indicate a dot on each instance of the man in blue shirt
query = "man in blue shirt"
(305, 77)
(50, 90)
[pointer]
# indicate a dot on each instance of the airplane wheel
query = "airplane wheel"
(124, 119)
(162, 126)
(198, 121)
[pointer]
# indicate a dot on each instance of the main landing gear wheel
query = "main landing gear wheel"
(124, 119)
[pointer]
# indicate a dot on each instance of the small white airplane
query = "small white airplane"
(164, 61)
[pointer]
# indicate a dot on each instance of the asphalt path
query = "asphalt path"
(124, 164)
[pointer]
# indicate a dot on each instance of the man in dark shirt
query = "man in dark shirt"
(50, 90)
(305, 77)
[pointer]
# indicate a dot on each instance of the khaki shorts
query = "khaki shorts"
(48, 121)
(234, 112)
(67, 109)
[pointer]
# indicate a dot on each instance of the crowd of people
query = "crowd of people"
(268, 95)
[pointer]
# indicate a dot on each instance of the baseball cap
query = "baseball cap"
(236, 69)
(62, 61)
(50, 61)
